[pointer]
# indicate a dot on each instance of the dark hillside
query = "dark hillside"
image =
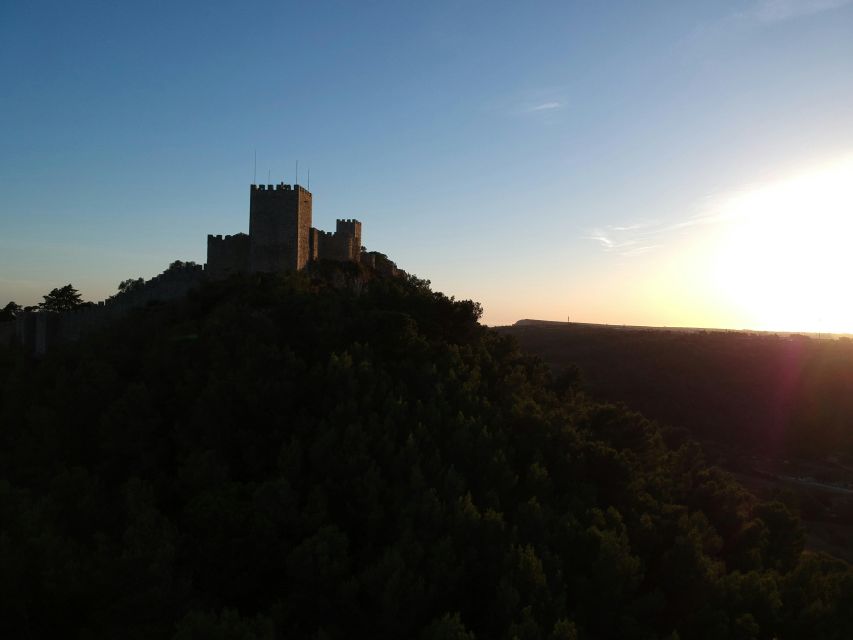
(765, 394)
(776, 410)
(279, 458)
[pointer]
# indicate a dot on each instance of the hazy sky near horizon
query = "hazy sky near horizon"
(665, 163)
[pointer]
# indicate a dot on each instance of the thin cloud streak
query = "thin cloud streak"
(609, 243)
(631, 240)
(638, 251)
(606, 242)
(781, 10)
(545, 106)
(632, 227)
(761, 14)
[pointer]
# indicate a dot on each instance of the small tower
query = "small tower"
(279, 222)
(351, 228)
(227, 256)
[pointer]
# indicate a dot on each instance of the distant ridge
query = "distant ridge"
(530, 322)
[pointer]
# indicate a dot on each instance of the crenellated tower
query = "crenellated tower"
(279, 223)
(351, 228)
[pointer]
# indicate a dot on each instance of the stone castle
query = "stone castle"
(280, 239)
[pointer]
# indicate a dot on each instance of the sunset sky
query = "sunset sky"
(662, 163)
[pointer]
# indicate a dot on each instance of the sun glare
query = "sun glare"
(786, 259)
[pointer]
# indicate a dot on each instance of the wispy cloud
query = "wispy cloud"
(632, 227)
(622, 240)
(812, 202)
(542, 104)
(758, 14)
(638, 251)
(545, 106)
(639, 238)
(780, 10)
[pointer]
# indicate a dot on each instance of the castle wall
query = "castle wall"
(380, 262)
(227, 256)
(279, 223)
(313, 244)
(280, 239)
(25, 331)
(7, 333)
(334, 246)
(39, 331)
(47, 329)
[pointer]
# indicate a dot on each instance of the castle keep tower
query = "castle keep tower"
(279, 221)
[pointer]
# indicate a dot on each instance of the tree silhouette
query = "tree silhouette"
(62, 299)
(9, 312)
(130, 284)
(177, 265)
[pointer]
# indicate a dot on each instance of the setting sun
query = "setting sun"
(784, 260)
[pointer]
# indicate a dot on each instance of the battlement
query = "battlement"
(281, 186)
(337, 245)
(221, 238)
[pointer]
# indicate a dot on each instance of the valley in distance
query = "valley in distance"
(772, 408)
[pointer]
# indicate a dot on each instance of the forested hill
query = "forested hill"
(782, 396)
(277, 458)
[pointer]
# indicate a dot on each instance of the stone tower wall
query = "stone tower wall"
(313, 244)
(227, 256)
(334, 246)
(351, 228)
(279, 222)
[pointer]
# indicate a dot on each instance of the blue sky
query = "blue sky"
(545, 158)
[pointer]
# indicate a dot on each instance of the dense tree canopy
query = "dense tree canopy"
(131, 284)
(62, 299)
(276, 458)
(760, 393)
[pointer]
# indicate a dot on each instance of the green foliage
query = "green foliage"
(62, 299)
(320, 464)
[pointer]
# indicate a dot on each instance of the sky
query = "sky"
(678, 163)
